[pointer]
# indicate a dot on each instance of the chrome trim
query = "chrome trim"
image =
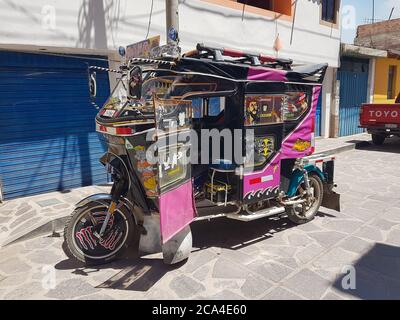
(257, 215)
(210, 217)
(93, 198)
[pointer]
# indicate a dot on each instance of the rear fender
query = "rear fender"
(298, 178)
(331, 199)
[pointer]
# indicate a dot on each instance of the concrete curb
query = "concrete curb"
(54, 226)
(349, 147)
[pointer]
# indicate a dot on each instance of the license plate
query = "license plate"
(391, 126)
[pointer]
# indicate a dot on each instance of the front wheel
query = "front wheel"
(378, 139)
(82, 244)
(303, 213)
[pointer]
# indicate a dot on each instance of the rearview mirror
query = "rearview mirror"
(135, 83)
(92, 84)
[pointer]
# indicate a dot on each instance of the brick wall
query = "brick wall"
(381, 35)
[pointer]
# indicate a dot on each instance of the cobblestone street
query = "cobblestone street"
(265, 259)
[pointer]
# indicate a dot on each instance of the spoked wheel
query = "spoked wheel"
(81, 242)
(303, 213)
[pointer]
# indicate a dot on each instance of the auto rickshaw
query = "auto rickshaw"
(213, 133)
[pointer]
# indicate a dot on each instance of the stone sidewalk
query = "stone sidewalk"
(264, 259)
(36, 215)
(25, 216)
(342, 144)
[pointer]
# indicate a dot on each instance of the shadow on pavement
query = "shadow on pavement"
(377, 274)
(133, 272)
(391, 145)
(234, 235)
(141, 273)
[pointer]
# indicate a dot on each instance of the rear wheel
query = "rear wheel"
(306, 212)
(378, 139)
(82, 244)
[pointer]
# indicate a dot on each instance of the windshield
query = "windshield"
(160, 85)
(117, 100)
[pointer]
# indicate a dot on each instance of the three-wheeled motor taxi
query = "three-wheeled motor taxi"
(214, 128)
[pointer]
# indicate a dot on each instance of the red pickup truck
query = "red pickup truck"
(381, 120)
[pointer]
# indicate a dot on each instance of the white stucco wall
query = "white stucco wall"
(100, 24)
(327, 102)
(77, 25)
(312, 42)
(108, 24)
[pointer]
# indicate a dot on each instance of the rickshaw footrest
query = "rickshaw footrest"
(257, 215)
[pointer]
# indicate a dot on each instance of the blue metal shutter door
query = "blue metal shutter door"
(353, 93)
(47, 133)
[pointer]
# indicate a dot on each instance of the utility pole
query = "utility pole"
(172, 20)
(391, 14)
(373, 11)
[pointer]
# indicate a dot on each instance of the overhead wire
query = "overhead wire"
(150, 16)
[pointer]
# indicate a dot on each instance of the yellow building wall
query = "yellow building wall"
(382, 79)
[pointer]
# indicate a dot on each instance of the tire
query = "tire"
(81, 244)
(296, 214)
(378, 139)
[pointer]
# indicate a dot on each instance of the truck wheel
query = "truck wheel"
(378, 139)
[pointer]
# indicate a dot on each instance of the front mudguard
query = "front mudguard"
(105, 199)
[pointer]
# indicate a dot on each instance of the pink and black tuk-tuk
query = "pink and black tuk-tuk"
(187, 136)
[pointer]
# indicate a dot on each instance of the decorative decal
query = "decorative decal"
(128, 145)
(262, 179)
(143, 48)
(264, 184)
(172, 165)
(111, 241)
(87, 240)
(85, 237)
(302, 131)
(146, 171)
(261, 110)
(296, 106)
(262, 194)
(265, 146)
(301, 145)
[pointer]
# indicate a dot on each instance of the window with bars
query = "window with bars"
(329, 10)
